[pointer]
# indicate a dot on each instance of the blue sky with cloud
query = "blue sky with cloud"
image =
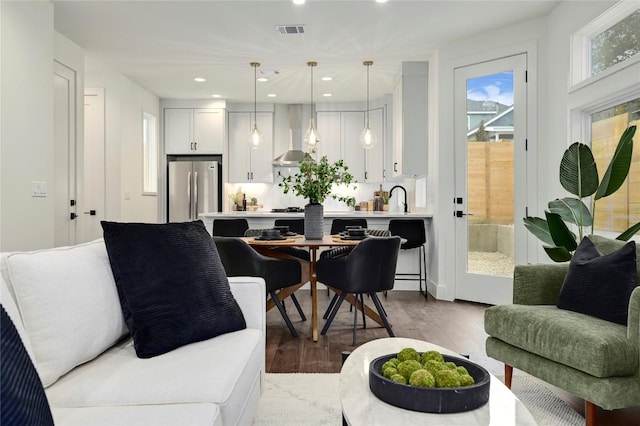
(495, 87)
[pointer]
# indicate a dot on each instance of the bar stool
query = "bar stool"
(295, 225)
(339, 225)
(229, 227)
(413, 231)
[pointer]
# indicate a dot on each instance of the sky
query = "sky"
(495, 87)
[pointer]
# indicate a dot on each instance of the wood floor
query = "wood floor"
(458, 326)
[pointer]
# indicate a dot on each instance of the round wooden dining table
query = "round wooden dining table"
(264, 247)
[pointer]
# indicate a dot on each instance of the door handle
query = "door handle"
(195, 146)
(459, 213)
(395, 167)
(189, 193)
(91, 212)
(195, 195)
(72, 216)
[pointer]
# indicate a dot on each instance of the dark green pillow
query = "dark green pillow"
(600, 285)
(172, 286)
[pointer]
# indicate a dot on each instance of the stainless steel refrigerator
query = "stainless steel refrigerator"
(194, 187)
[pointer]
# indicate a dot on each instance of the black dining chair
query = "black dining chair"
(295, 225)
(413, 231)
(239, 259)
(229, 227)
(369, 268)
(339, 225)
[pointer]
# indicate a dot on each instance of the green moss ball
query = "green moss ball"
(398, 378)
(395, 361)
(408, 353)
(432, 355)
(387, 365)
(462, 371)
(466, 380)
(389, 371)
(434, 366)
(447, 379)
(422, 378)
(405, 368)
(451, 365)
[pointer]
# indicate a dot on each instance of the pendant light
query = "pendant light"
(368, 139)
(255, 136)
(311, 138)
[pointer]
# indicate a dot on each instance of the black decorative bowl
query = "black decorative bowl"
(431, 400)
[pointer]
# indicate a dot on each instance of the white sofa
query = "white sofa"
(65, 306)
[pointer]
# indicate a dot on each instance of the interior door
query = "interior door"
(65, 180)
(94, 181)
(490, 173)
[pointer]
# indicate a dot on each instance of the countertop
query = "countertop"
(326, 214)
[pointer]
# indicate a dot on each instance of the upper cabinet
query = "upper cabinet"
(245, 163)
(194, 131)
(409, 151)
(340, 139)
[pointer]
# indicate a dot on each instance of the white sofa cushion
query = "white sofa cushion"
(222, 370)
(140, 415)
(69, 305)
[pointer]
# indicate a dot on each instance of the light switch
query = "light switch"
(38, 189)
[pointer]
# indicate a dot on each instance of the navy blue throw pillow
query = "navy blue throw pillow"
(600, 285)
(23, 399)
(172, 286)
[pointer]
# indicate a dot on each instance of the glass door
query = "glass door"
(490, 151)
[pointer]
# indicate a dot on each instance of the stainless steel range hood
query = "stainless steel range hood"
(295, 154)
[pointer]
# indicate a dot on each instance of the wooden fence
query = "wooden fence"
(490, 179)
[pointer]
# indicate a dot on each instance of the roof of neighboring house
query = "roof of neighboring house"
(485, 106)
(502, 122)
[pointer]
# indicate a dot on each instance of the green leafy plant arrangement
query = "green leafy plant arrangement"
(579, 176)
(314, 180)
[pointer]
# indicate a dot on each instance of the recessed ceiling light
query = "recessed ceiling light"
(381, 1)
(200, 79)
(327, 78)
(272, 95)
(262, 79)
(298, 1)
(326, 95)
(216, 96)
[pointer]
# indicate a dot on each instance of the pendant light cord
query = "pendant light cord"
(368, 64)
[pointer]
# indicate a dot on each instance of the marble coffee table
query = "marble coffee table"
(361, 407)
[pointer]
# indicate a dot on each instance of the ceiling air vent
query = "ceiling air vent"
(290, 29)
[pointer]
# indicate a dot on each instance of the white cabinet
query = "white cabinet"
(194, 131)
(340, 139)
(409, 152)
(245, 163)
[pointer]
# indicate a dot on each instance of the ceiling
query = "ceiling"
(164, 45)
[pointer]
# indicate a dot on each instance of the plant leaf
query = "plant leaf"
(578, 171)
(561, 235)
(558, 254)
(538, 227)
(626, 235)
(619, 166)
(572, 210)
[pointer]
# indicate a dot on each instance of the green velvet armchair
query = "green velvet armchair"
(594, 359)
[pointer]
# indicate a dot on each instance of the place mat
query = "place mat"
(257, 240)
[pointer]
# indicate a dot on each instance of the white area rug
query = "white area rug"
(312, 399)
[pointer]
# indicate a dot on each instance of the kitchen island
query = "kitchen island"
(407, 259)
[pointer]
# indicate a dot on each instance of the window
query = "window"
(607, 44)
(617, 212)
(150, 154)
(606, 103)
(616, 44)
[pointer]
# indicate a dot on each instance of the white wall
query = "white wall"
(125, 101)
(26, 124)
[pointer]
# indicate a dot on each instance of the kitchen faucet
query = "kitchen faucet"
(405, 195)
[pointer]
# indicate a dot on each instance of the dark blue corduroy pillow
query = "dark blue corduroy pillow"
(22, 397)
(172, 286)
(600, 285)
